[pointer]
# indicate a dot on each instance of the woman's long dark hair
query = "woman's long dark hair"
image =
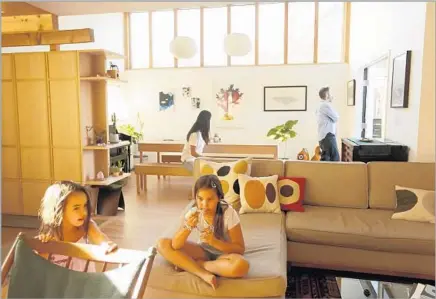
(53, 205)
(212, 182)
(202, 124)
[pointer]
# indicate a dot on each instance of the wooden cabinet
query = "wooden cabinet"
(48, 98)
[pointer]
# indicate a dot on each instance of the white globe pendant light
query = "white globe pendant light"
(183, 47)
(237, 44)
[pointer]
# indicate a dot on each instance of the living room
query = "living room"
(151, 94)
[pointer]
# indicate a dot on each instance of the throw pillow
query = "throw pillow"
(291, 193)
(414, 204)
(228, 172)
(259, 194)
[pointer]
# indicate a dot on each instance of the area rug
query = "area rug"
(311, 283)
(20, 221)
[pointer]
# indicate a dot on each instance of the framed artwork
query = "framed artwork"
(400, 80)
(351, 92)
(285, 98)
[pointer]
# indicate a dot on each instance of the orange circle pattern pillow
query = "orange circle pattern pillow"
(259, 194)
(291, 193)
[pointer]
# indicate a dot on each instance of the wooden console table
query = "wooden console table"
(212, 149)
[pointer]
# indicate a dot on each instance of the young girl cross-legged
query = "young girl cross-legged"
(65, 214)
(221, 246)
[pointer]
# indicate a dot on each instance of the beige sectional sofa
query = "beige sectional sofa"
(346, 226)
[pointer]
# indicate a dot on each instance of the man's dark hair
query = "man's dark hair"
(323, 92)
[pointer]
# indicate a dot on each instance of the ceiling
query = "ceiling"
(63, 8)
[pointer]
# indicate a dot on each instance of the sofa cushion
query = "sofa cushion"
(360, 229)
(383, 176)
(259, 167)
(265, 242)
(332, 184)
(259, 194)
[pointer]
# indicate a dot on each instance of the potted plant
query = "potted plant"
(130, 130)
(283, 133)
(116, 169)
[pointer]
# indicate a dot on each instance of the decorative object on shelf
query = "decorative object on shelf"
(283, 133)
(351, 93)
(117, 168)
(195, 102)
(99, 176)
(303, 155)
(113, 71)
(183, 47)
(285, 98)
(400, 80)
(89, 139)
(216, 138)
(100, 137)
(113, 132)
(228, 98)
(166, 100)
(237, 44)
(317, 155)
(186, 92)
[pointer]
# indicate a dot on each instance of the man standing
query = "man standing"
(327, 118)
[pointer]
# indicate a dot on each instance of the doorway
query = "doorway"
(375, 95)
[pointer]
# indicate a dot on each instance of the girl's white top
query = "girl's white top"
(195, 139)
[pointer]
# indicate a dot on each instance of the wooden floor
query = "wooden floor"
(146, 215)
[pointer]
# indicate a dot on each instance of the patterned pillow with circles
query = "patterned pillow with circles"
(259, 194)
(227, 173)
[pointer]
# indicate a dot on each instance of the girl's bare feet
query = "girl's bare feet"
(211, 280)
(178, 269)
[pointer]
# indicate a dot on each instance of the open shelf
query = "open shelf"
(108, 181)
(101, 78)
(100, 52)
(107, 146)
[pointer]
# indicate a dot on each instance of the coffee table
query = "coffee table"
(360, 288)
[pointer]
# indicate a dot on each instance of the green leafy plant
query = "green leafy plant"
(130, 130)
(283, 132)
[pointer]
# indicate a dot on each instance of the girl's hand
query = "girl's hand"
(109, 246)
(192, 219)
(207, 236)
(44, 238)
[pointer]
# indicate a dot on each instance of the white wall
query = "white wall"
(378, 28)
(251, 122)
(426, 136)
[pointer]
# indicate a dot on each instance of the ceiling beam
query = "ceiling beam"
(48, 38)
(10, 9)
(28, 23)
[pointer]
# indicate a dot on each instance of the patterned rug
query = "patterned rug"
(311, 283)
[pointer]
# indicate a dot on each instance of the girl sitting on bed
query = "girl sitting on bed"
(221, 246)
(65, 214)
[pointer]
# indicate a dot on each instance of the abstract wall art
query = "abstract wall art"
(196, 103)
(285, 98)
(186, 92)
(166, 100)
(227, 99)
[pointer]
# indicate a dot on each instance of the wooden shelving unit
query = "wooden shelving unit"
(106, 147)
(48, 99)
(107, 79)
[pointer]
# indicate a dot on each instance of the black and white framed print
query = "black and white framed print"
(285, 98)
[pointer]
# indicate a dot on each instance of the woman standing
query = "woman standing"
(196, 139)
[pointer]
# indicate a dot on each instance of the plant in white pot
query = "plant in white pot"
(283, 133)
